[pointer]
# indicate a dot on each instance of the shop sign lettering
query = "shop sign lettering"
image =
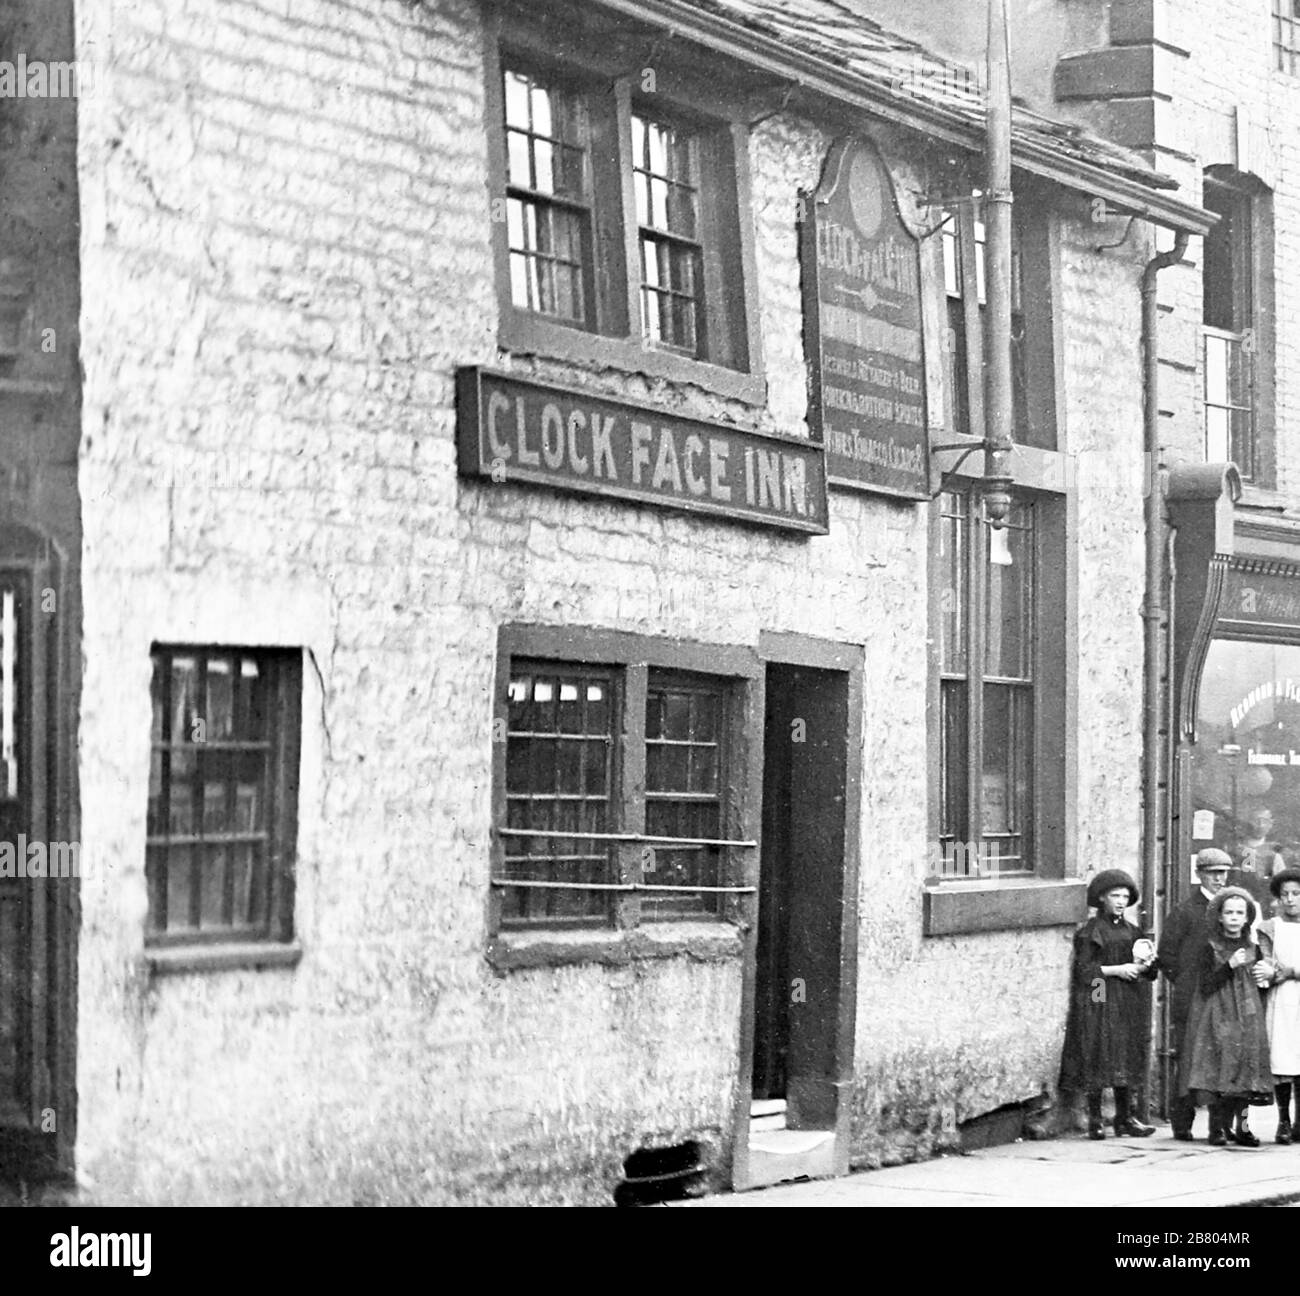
(512, 430)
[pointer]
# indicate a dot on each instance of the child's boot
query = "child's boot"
(1096, 1128)
(1282, 1092)
(1244, 1135)
(1239, 1114)
(1218, 1135)
(1126, 1124)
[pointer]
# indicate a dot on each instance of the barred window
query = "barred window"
(559, 777)
(684, 727)
(222, 794)
(611, 811)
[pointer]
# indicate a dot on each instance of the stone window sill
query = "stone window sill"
(523, 334)
(221, 958)
(705, 942)
(1012, 904)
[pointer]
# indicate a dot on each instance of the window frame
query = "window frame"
(977, 678)
(1034, 262)
(630, 934)
(1285, 19)
(1050, 894)
(685, 95)
(190, 949)
(1252, 308)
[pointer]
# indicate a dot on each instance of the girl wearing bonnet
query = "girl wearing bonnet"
(1107, 1031)
(1227, 1040)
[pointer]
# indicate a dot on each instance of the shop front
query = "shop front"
(1237, 673)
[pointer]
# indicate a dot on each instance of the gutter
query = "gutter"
(1154, 610)
(863, 94)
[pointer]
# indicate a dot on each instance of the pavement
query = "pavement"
(1072, 1171)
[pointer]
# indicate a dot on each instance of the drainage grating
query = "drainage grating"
(653, 1175)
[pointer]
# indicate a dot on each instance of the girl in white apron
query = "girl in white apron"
(1279, 939)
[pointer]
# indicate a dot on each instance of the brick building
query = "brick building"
(494, 748)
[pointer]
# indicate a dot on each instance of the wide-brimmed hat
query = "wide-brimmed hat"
(1282, 875)
(1109, 880)
(1215, 907)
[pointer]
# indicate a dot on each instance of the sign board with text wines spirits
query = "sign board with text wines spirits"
(862, 313)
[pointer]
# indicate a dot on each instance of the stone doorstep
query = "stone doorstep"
(776, 1156)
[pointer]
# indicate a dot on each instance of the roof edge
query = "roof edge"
(843, 87)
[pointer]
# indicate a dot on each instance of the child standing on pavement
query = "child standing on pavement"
(1279, 971)
(1107, 1033)
(1227, 1040)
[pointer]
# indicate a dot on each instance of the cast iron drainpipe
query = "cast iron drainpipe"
(1153, 607)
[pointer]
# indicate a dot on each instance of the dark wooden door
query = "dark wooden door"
(771, 982)
(801, 983)
(27, 956)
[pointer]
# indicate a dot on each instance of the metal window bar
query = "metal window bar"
(622, 886)
(586, 741)
(643, 839)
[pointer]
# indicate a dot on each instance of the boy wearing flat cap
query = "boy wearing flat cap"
(1106, 1034)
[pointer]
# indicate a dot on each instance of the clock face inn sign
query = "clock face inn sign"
(515, 430)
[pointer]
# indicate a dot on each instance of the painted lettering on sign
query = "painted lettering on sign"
(514, 430)
(862, 301)
(1262, 598)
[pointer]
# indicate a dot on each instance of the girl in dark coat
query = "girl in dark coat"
(1227, 1039)
(1108, 1029)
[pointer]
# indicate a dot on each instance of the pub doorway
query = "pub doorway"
(804, 968)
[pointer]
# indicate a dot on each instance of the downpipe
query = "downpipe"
(1155, 619)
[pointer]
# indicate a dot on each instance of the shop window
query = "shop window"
(1286, 35)
(610, 799)
(963, 246)
(222, 795)
(621, 235)
(1236, 335)
(1246, 761)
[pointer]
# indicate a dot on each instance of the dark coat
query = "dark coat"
(1226, 1040)
(1179, 957)
(1108, 1029)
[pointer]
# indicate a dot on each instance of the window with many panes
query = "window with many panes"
(548, 199)
(1286, 35)
(611, 810)
(619, 217)
(222, 794)
(988, 680)
(1232, 337)
(666, 181)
